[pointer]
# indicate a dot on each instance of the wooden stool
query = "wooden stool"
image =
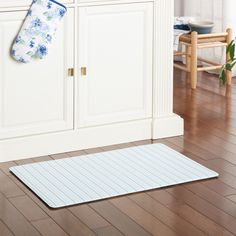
(195, 41)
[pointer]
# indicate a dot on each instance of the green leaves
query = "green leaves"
(230, 63)
(223, 75)
(231, 52)
(233, 64)
(229, 46)
(228, 67)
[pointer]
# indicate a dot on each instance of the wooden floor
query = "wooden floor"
(202, 208)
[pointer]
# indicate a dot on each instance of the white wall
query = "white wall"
(229, 14)
(208, 10)
(178, 8)
(221, 12)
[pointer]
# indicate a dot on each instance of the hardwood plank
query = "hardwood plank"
(4, 167)
(176, 223)
(63, 217)
(215, 199)
(28, 208)
(228, 179)
(4, 230)
(202, 222)
(188, 146)
(232, 198)
(69, 223)
(193, 147)
(219, 187)
(24, 161)
(142, 142)
(164, 197)
(108, 231)
(225, 179)
(217, 129)
(189, 214)
(8, 187)
(125, 145)
(47, 227)
(142, 217)
(215, 214)
(218, 151)
(22, 187)
(108, 148)
(93, 150)
(59, 156)
(115, 147)
(76, 153)
(118, 219)
(43, 158)
(219, 143)
(89, 217)
(228, 167)
(14, 219)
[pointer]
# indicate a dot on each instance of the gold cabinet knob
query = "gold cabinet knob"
(71, 72)
(83, 71)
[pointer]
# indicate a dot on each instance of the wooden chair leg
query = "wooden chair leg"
(188, 57)
(193, 61)
(229, 39)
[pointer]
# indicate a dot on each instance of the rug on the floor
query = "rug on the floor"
(92, 177)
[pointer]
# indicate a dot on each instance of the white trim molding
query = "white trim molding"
(164, 127)
(165, 122)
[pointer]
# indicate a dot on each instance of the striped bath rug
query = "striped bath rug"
(92, 177)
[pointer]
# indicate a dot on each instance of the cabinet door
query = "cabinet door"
(17, 3)
(115, 63)
(36, 97)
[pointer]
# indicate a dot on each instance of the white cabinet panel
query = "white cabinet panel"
(36, 97)
(16, 3)
(115, 45)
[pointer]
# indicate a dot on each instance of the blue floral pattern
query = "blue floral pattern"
(38, 30)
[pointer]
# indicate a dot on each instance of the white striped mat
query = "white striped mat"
(92, 177)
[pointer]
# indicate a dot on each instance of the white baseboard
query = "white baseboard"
(52, 143)
(170, 126)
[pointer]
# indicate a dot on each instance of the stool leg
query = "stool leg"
(229, 39)
(188, 57)
(193, 61)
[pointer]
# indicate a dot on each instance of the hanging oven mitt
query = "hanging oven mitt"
(38, 30)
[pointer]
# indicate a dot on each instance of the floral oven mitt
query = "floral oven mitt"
(38, 30)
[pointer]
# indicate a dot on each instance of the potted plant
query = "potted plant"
(229, 65)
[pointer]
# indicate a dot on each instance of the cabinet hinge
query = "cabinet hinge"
(71, 72)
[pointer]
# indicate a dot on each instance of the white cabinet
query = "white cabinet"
(17, 3)
(115, 52)
(37, 97)
(121, 90)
